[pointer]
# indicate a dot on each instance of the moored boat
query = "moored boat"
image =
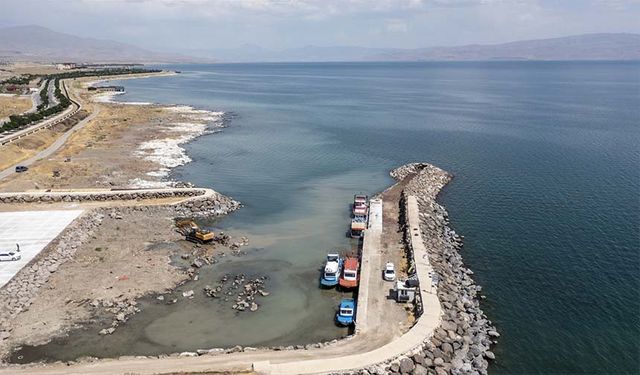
(331, 272)
(349, 278)
(358, 225)
(360, 205)
(346, 312)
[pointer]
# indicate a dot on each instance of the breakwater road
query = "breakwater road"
(32, 230)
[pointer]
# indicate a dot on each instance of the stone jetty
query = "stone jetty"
(462, 343)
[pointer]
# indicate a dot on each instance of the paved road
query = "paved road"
(51, 149)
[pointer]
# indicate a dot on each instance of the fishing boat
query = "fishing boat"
(346, 312)
(360, 205)
(332, 268)
(358, 225)
(349, 278)
(360, 198)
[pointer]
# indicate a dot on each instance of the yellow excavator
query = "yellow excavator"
(193, 233)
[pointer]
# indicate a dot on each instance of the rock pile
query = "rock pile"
(121, 308)
(214, 205)
(246, 291)
(98, 196)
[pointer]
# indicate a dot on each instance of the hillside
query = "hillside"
(39, 44)
(579, 47)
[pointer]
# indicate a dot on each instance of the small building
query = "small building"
(405, 291)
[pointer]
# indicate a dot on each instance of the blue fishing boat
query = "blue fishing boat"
(346, 312)
(331, 272)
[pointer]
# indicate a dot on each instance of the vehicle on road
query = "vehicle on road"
(389, 273)
(331, 272)
(10, 256)
(21, 168)
(349, 278)
(346, 312)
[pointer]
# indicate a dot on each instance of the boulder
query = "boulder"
(418, 358)
(489, 354)
(406, 365)
(420, 370)
(188, 294)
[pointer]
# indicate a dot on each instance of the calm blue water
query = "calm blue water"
(547, 163)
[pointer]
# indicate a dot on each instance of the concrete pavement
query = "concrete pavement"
(369, 263)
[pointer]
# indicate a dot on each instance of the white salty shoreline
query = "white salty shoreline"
(167, 152)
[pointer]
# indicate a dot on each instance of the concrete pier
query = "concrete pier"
(369, 261)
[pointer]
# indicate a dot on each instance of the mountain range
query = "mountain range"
(36, 43)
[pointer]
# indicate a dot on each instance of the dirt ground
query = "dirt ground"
(392, 243)
(28, 68)
(127, 257)
(23, 149)
(13, 105)
(115, 263)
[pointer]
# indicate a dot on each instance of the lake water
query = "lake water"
(546, 158)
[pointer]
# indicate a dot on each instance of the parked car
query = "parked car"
(389, 272)
(21, 168)
(9, 256)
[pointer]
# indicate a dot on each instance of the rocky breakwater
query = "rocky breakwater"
(462, 342)
(115, 195)
(212, 204)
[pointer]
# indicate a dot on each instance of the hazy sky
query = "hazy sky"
(204, 24)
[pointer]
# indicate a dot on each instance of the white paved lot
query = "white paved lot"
(32, 230)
